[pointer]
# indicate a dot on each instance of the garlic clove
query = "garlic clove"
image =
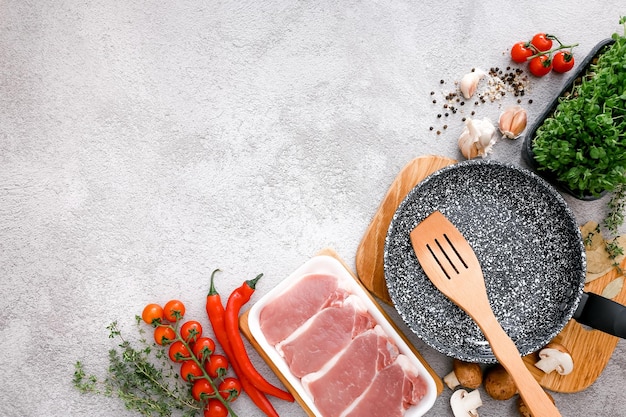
(469, 82)
(477, 138)
(486, 136)
(512, 122)
(467, 145)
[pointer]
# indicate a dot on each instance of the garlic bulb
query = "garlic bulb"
(477, 138)
(512, 122)
(469, 82)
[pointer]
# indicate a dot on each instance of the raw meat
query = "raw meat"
(343, 379)
(324, 335)
(393, 390)
(280, 317)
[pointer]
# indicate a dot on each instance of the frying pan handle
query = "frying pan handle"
(602, 314)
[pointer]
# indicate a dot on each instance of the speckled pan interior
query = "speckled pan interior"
(527, 242)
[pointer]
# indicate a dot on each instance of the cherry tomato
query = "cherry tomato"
(203, 348)
(229, 389)
(152, 314)
(190, 331)
(542, 42)
(178, 352)
(521, 51)
(540, 66)
(164, 335)
(215, 408)
(190, 371)
(174, 310)
(563, 61)
(217, 366)
(202, 389)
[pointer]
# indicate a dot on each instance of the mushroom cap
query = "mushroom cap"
(469, 374)
(499, 384)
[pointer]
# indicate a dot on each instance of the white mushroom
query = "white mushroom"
(466, 374)
(554, 357)
(464, 404)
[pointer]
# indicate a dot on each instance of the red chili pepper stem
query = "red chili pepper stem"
(252, 282)
(212, 290)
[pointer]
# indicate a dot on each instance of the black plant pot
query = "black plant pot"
(527, 148)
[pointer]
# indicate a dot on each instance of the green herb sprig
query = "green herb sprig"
(142, 377)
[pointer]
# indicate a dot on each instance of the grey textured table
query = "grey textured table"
(144, 144)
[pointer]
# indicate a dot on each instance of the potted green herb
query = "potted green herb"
(580, 142)
(583, 143)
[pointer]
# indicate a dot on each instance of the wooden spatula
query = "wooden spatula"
(451, 264)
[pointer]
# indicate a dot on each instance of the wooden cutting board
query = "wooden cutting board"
(245, 329)
(590, 349)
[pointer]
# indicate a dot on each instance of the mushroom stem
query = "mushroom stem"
(451, 380)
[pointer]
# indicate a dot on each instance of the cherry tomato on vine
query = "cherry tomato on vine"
(542, 42)
(178, 352)
(563, 61)
(229, 389)
(540, 66)
(203, 348)
(164, 335)
(190, 331)
(152, 314)
(174, 310)
(190, 371)
(217, 366)
(202, 390)
(521, 51)
(215, 408)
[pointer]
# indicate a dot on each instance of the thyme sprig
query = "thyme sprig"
(613, 221)
(142, 377)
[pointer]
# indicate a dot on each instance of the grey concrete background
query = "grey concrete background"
(144, 144)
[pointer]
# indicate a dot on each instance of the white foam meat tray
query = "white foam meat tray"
(325, 264)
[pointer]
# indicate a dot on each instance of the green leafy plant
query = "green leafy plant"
(584, 141)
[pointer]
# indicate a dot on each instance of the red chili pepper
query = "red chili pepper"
(215, 311)
(237, 299)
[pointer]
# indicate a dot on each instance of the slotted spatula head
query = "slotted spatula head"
(449, 261)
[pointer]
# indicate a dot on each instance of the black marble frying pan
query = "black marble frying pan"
(529, 247)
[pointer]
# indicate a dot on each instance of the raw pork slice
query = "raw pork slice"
(280, 317)
(393, 390)
(324, 335)
(344, 378)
